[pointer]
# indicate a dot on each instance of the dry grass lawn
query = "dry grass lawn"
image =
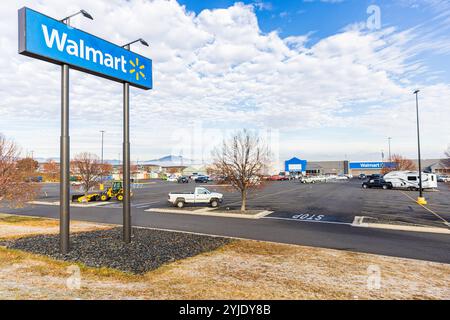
(240, 270)
(13, 226)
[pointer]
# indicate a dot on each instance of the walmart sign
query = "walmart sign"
(371, 165)
(48, 39)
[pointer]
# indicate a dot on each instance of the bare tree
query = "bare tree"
(106, 169)
(28, 166)
(241, 160)
(51, 170)
(400, 163)
(447, 157)
(89, 168)
(13, 188)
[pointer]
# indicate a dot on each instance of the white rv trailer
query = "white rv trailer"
(410, 180)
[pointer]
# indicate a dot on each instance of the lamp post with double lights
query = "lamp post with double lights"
(64, 184)
(126, 154)
(389, 144)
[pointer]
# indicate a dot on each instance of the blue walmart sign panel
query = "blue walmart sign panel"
(295, 165)
(371, 165)
(48, 39)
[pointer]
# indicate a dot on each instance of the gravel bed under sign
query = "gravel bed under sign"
(148, 250)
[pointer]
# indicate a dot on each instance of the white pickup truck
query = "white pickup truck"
(200, 195)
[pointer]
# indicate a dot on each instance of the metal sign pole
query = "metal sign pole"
(64, 183)
(126, 162)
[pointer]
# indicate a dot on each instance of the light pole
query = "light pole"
(101, 178)
(389, 143)
(64, 181)
(126, 154)
(420, 199)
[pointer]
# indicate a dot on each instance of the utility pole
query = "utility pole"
(389, 142)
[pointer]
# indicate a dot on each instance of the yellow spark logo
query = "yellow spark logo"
(137, 68)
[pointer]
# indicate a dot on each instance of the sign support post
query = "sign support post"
(64, 163)
(126, 162)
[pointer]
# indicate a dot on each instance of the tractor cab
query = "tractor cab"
(117, 186)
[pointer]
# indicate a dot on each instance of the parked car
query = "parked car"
(314, 179)
(362, 176)
(441, 178)
(278, 177)
(172, 178)
(200, 195)
(377, 183)
(342, 177)
(194, 175)
(183, 179)
(201, 179)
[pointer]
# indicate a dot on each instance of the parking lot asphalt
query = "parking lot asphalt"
(332, 206)
(338, 201)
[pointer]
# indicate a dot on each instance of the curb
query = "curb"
(207, 212)
(358, 222)
(72, 204)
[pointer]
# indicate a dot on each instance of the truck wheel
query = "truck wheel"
(180, 204)
(385, 187)
(120, 197)
(104, 197)
(364, 186)
(214, 203)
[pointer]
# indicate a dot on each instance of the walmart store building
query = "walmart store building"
(296, 165)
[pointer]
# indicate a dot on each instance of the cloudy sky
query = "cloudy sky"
(319, 79)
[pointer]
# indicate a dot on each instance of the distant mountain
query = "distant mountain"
(43, 160)
(171, 160)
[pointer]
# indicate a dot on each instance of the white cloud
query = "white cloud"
(220, 68)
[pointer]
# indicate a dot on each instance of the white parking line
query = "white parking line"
(316, 221)
(145, 204)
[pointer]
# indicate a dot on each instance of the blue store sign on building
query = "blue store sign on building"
(295, 165)
(371, 165)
